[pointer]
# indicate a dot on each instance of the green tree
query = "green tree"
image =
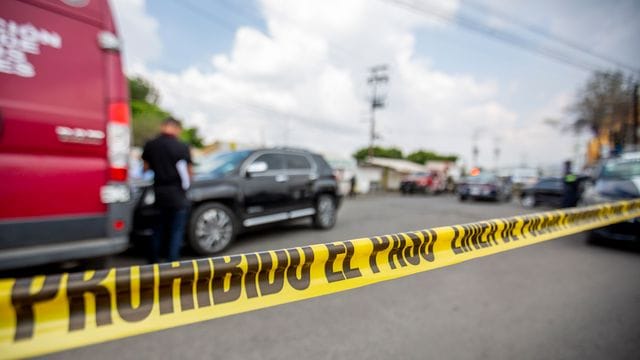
(146, 120)
(142, 90)
(392, 153)
(604, 103)
(147, 115)
(191, 137)
(422, 156)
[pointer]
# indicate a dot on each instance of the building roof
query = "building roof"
(399, 165)
(437, 165)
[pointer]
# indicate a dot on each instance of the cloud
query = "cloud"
(611, 27)
(302, 82)
(139, 32)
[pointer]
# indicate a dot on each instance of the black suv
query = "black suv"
(547, 191)
(234, 191)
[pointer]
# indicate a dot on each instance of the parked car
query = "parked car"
(423, 182)
(616, 179)
(486, 186)
(547, 191)
(236, 191)
(64, 134)
(416, 182)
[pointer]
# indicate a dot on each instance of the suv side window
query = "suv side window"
(557, 184)
(274, 161)
(550, 184)
(297, 162)
(323, 168)
(544, 184)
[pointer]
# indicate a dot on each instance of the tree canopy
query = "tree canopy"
(147, 115)
(191, 137)
(604, 103)
(142, 90)
(420, 156)
(146, 120)
(392, 153)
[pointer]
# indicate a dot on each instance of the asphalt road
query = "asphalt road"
(562, 299)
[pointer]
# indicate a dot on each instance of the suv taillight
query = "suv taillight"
(118, 140)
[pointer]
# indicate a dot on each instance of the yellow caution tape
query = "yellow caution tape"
(50, 313)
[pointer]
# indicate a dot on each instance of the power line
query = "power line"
(504, 36)
(535, 29)
(207, 15)
(233, 6)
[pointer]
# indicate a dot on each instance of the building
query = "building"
(385, 174)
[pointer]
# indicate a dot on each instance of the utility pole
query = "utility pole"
(475, 154)
(377, 76)
(496, 152)
(474, 141)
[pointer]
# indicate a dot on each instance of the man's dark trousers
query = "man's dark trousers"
(175, 219)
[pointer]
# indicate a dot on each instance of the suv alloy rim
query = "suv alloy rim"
(213, 229)
(326, 210)
(528, 201)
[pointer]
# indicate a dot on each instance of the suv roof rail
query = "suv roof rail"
(290, 148)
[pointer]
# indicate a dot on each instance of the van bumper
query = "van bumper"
(44, 254)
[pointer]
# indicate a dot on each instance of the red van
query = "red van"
(64, 133)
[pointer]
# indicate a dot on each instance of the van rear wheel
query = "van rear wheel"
(212, 227)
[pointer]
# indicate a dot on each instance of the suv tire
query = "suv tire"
(325, 217)
(528, 200)
(212, 227)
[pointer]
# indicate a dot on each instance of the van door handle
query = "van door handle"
(282, 178)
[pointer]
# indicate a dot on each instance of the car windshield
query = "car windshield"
(481, 179)
(621, 169)
(220, 164)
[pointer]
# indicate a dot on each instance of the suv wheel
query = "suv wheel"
(212, 227)
(325, 216)
(528, 200)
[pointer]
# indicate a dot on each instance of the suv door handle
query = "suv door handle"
(282, 178)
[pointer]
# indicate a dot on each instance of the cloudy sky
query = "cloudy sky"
(293, 72)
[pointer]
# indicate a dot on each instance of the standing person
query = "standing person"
(171, 163)
(570, 196)
(352, 190)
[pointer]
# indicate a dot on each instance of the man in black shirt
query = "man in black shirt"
(171, 163)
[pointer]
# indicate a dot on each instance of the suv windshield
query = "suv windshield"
(220, 164)
(621, 169)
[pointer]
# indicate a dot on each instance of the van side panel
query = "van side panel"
(52, 114)
(46, 189)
